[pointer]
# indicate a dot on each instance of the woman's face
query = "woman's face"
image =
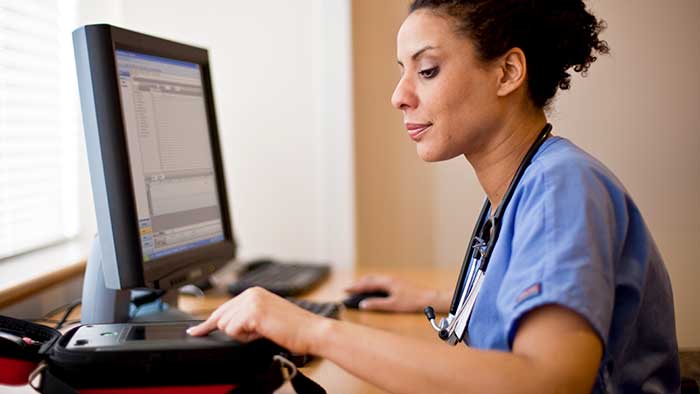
(447, 96)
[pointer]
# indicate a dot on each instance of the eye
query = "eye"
(429, 73)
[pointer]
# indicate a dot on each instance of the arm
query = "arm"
(554, 349)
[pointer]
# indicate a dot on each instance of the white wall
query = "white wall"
(332, 75)
(283, 117)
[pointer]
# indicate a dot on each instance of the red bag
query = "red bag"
(33, 353)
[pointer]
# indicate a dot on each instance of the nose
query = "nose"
(404, 96)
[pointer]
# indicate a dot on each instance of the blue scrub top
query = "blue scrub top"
(572, 236)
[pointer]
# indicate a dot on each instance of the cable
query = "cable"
(70, 308)
(48, 315)
(53, 322)
(67, 309)
(58, 323)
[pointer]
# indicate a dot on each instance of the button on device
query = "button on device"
(81, 342)
(108, 334)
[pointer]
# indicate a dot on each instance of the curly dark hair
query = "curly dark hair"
(555, 35)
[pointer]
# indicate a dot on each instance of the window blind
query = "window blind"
(38, 125)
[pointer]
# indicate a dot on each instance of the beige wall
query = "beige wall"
(638, 111)
(397, 199)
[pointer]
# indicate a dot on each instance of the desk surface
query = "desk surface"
(327, 374)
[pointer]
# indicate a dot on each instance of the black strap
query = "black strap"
(273, 379)
(50, 384)
(263, 383)
(303, 385)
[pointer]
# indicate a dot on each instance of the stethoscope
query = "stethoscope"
(452, 329)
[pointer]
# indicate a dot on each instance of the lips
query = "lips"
(416, 130)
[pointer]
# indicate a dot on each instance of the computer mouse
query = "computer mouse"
(353, 301)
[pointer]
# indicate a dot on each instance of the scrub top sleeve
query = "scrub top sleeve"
(563, 248)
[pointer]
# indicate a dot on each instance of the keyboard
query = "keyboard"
(285, 280)
(326, 309)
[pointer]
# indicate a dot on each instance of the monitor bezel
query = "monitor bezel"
(172, 270)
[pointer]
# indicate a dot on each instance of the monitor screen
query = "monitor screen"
(170, 153)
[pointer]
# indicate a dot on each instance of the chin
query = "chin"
(430, 154)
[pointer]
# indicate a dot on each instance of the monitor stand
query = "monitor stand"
(102, 305)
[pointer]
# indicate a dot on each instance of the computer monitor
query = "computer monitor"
(155, 166)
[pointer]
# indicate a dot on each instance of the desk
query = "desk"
(327, 374)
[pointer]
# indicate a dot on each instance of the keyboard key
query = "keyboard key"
(282, 279)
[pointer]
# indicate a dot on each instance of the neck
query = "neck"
(496, 164)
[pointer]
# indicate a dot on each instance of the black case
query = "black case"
(252, 368)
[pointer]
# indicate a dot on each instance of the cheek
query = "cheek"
(460, 108)
(440, 144)
(461, 114)
(452, 100)
(470, 103)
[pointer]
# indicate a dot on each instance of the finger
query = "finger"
(355, 285)
(241, 326)
(212, 322)
(249, 337)
(369, 283)
(377, 304)
(234, 330)
(203, 328)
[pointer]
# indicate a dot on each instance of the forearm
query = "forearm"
(408, 365)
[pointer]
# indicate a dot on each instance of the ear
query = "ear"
(513, 70)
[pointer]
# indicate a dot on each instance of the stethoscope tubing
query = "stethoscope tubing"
(470, 275)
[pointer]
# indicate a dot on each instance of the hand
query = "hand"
(257, 313)
(403, 296)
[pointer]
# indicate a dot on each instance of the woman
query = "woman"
(576, 298)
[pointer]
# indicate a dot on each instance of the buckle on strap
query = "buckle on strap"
(34, 374)
(288, 369)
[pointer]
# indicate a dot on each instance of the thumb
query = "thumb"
(377, 304)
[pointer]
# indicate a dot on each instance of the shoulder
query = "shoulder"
(562, 169)
(566, 228)
(572, 198)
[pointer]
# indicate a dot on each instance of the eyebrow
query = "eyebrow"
(419, 52)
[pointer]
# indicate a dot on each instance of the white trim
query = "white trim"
(332, 84)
